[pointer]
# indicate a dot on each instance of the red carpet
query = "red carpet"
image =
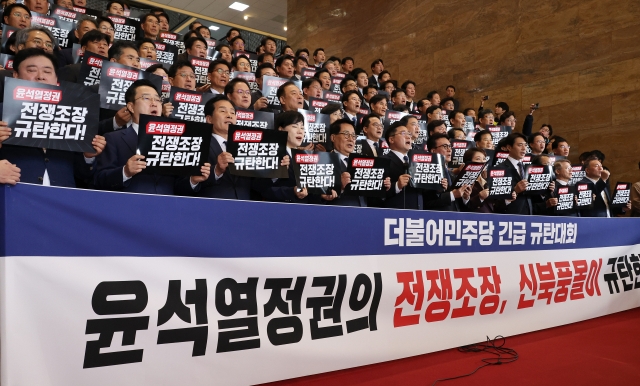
(601, 351)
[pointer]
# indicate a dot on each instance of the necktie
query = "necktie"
(224, 145)
(521, 169)
(603, 194)
(355, 121)
(375, 149)
(448, 175)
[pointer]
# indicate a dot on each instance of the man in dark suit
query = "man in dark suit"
(372, 145)
(93, 41)
(218, 74)
(84, 25)
(118, 168)
(597, 178)
(401, 195)
(311, 88)
(46, 166)
(562, 170)
(377, 66)
(516, 144)
(258, 101)
(452, 200)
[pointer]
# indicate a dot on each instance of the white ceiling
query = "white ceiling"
(260, 12)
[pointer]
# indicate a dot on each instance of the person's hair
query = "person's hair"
(466, 111)
(533, 136)
(391, 131)
(452, 133)
(212, 65)
(405, 119)
(451, 86)
(163, 14)
(595, 153)
(480, 134)
(23, 35)
(262, 67)
(469, 154)
(366, 121)
(300, 58)
(231, 30)
(445, 100)
(506, 115)
(27, 53)
(330, 108)
(200, 28)
(537, 160)
(401, 108)
(584, 156)
(432, 108)
(9, 9)
(287, 118)
(236, 39)
(94, 36)
(190, 34)
(346, 59)
(155, 67)
(397, 91)
(346, 95)
(558, 164)
(373, 64)
(140, 42)
(104, 19)
(452, 114)
(406, 83)
(228, 89)
(308, 82)
(383, 85)
(431, 94)
(220, 46)
(555, 143)
(484, 112)
(510, 139)
(421, 102)
(384, 72)
(130, 94)
(377, 98)
(433, 124)
(144, 18)
(262, 56)
(175, 67)
(337, 125)
(365, 89)
(301, 50)
(280, 92)
(192, 24)
(118, 47)
(503, 105)
(211, 103)
(501, 145)
(433, 138)
(587, 162)
(284, 48)
(333, 59)
(320, 71)
(281, 60)
(265, 39)
(549, 126)
(315, 52)
(234, 61)
(189, 43)
(114, 2)
(84, 19)
(357, 71)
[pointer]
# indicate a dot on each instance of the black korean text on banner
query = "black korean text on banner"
(331, 96)
(91, 68)
(526, 160)
(367, 175)
(490, 154)
(249, 77)
(316, 127)
(173, 147)
(469, 125)
(146, 63)
(501, 182)
(61, 117)
(188, 105)
(270, 85)
(316, 105)
(256, 119)
(212, 54)
(76, 53)
(584, 192)
(422, 125)
(6, 61)
(317, 171)
(253, 59)
(565, 194)
(59, 28)
(553, 158)
(256, 152)
(539, 177)
(201, 69)
(166, 90)
(469, 174)
(499, 132)
(445, 117)
(115, 80)
(426, 170)
(64, 14)
(7, 31)
(135, 13)
(621, 195)
(499, 157)
(335, 85)
(172, 39)
(308, 72)
(166, 53)
(577, 174)
(391, 117)
(125, 28)
(458, 148)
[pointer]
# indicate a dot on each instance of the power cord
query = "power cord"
(492, 346)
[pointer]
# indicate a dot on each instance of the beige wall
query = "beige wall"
(580, 59)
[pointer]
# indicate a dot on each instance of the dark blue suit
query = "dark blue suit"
(281, 190)
(409, 197)
(522, 204)
(228, 186)
(598, 207)
(346, 199)
(122, 145)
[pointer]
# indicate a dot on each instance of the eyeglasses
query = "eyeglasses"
(153, 49)
(375, 125)
(221, 71)
(21, 15)
(348, 135)
(243, 92)
(41, 43)
(245, 65)
(446, 146)
(564, 147)
(187, 75)
(106, 29)
(134, 58)
(404, 133)
(149, 98)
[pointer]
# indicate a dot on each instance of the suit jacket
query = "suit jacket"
(598, 208)
(346, 199)
(65, 57)
(121, 145)
(552, 210)
(373, 82)
(435, 200)
(281, 189)
(4, 74)
(228, 186)
(522, 204)
(409, 197)
(474, 204)
(367, 150)
(69, 73)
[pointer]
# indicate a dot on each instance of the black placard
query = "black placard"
(367, 175)
(255, 119)
(249, 77)
(316, 127)
(335, 85)
(64, 14)
(316, 105)
(469, 174)
(257, 152)
(94, 13)
(76, 53)
(501, 182)
(6, 61)
(566, 199)
(173, 147)
(499, 132)
(577, 174)
(426, 170)
(63, 117)
(499, 157)
(172, 39)
(319, 172)
(165, 53)
(146, 63)
(270, 85)
(188, 105)
(308, 72)
(59, 28)
(7, 31)
(621, 195)
(125, 28)
(331, 96)
(458, 148)
(584, 192)
(201, 69)
(391, 117)
(212, 54)
(469, 125)
(539, 177)
(116, 78)
(91, 68)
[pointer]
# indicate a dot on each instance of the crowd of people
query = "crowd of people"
(357, 122)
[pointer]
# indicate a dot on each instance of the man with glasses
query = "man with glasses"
(537, 143)
(118, 167)
(284, 67)
(84, 25)
(412, 125)
(17, 16)
(372, 145)
(290, 97)
(147, 49)
(239, 93)
(452, 200)
(182, 75)
(311, 89)
(93, 41)
(560, 147)
(219, 71)
(106, 26)
(351, 106)
(150, 26)
(258, 101)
